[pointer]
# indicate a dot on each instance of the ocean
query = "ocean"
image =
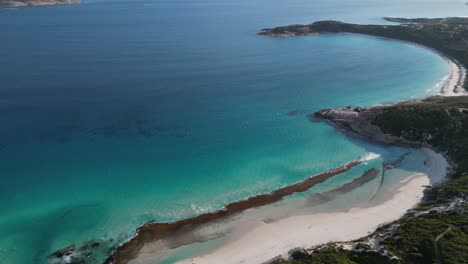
(115, 113)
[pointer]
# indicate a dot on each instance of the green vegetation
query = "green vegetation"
(433, 237)
(437, 230)
(440, 122)
(335, 255)
(414, 240)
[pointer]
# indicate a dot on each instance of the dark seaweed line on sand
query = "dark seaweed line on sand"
(153, 231)
(327, 196)
(386, 167)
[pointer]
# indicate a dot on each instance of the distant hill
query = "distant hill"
(23, 3)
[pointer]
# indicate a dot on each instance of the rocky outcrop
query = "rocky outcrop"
(358, 121)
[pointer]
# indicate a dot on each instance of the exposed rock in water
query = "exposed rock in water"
(86, 253)
(63, 252)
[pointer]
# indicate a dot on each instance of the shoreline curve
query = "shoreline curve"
(262, 244)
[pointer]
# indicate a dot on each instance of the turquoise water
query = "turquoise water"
(218, 234)
(115, 113)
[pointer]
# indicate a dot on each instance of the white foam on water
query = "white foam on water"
(411, 177)
(438, 86)
(370, 156)
(200, 209)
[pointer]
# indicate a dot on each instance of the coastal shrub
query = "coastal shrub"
(441, 124)
(336, 255)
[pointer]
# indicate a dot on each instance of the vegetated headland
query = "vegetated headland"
(25, 3)
(436, 231)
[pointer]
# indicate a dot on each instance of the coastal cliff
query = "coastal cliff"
(25, 3)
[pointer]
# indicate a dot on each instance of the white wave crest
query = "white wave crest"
(411, 177)
(370, 156)
(199, 209)
(438, 86)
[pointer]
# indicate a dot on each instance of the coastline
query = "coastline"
(154, 231)
(267, 241)
(453, 84)
(261, 244)
(412, 192)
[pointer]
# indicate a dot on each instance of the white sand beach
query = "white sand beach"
(266, 241)
(453, 84)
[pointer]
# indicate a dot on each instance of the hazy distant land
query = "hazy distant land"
(23, 3)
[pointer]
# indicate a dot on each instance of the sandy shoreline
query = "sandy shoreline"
(452, 85)
(268, 240)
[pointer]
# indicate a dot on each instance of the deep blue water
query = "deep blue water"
(114, 113)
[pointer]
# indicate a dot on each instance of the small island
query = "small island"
(25, 3)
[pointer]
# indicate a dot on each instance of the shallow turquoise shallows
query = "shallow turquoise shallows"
(115, 113)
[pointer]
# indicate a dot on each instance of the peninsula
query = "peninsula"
(25, 3)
